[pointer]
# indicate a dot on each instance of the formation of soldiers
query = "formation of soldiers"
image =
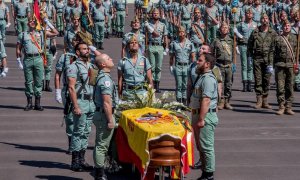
(265, 36)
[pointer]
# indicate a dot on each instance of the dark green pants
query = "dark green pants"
(285, 85)
(227, 81)
(261, 77)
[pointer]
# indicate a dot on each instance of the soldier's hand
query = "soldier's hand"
(20, 64)
(110, 125)
(58, 96)
(77, 111)
(172, 70)
(199, 124)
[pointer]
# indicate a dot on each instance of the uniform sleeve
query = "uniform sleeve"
(193, 48)
(6, 9)
(106, 86)
(209, 87)
(165, 33)
(59, 64)
(124, 40)
(120, 65)
(148, 65)
(72, 71)
(171, 48)
(20, 37)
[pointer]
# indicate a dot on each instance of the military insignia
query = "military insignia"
(141, 63)
(107, 83)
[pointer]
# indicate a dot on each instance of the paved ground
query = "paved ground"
(250, 144)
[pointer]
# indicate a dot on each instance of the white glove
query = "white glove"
(166, 51)
(150, 28)
(238, 33)
(172, 70)
(48, 23)
(146, 23)
(92, 48)
(270, 69)
(20, 63)
(237, 50)
(4, 72)
(7, 25)
(58, 96)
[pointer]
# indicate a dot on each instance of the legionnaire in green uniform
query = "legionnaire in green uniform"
(59, 7)
(133, 72)
(157, 36)
(70, 34)
(3, 61)
(185, 15)
(204, 117)
(81, 94)
(182, 53)
(120, 11)
(222, 49)
(211, 18)
(4, 19)
(244, 30)
(99, 16)
(109, 8)
(106, 99)
(67, 14)
(260, 49)
(285, 48)
(22, 12)
(135, 25)
(31, 42)
(61, 94)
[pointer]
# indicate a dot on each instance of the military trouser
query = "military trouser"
(187, 25)
(69, 117)
(113, 24)
(226, 72)
(22, 24)
(3, 29)
(261, 77)
(98, 31)
(297, 78)
(156, 57)
(82, 124)
(120, 21)
(103, 138)
(207, 140)
(212, 33)
(59, 22)
(181, 78)
(48, 67)
(247, 67)
(170, 29)
(285, 85)
(33, 73)
(85, 23)
(108, 26)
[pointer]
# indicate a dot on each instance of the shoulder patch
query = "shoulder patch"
(107, 83)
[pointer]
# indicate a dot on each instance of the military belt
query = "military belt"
(134, 87)
(85, 97)
(99, 20)
(182, 63)
(154, 43)
(186, 19)
(120, 9)
(101, 109)
(32, 55)
(197, 111)
(21, 16)
(1, 19)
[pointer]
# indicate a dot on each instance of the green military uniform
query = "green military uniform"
(21, 10)
(3, 11)
(211, 27)
(285, 49)
(61, 66)
(67, 16)
(98, 15)
(108, 6)
(82, 124)
(134, 75)
(185, 15)
(120, 6)
(295, 30)
(222, 49)
(156, 49)
(33, 62)
(49, 57)
(69, 35)
(2, 49)
(140, 37)
(261, 51)
(60, 6)
(206, 86)
(104, 86)
(197, 34)
(182, 60)
(168, 8)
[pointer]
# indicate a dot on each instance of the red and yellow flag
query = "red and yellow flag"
(37, 15)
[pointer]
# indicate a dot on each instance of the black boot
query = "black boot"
(245, 86)
(37, 105)
(157, 87)
(101, 45)
(69, 145)
(113, 32)
(249, 86)
(47, 87)
(184, 101)
(43, 85)
(206, 176)
(29, 106)
(75, 165)
(106, 35)
(83, 164)
(100, 174)
(297, 87)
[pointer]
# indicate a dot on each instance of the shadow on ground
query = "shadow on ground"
(35, 148)
(54, 177)
(44, 164)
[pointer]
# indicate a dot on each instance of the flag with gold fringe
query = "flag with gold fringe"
(37, 15)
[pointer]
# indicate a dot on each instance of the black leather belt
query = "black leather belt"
(100, 109)
(182, 64)
(85, 97)
(99, 20)
(134, 87)
(186, 19)
(155, 44)
(1, 19)
(32, 55)
(120, 9)
(197, 111)
(21, 16)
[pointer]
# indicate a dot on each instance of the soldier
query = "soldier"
(223, 49)
(4, 19)
(109, 8)
(21, 14)
(185, 15)
(77, 8)
(59, 7)
(135, 25)
(133, 72)
(167, 17)
(3, 61)
(244, 30)
(120, 11)
(182, 53)
(211, 17)
(81, 95)
(295, 30)
(99, 16)
(224, 10)
(197, 31)
(31, 44)
(106, 99)
(285, 48)
(261, 51)
(157, 36)
(257, 11)
(204, 117)
(71, 32)
(67, 14)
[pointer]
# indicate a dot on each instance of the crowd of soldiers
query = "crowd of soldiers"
(265, 35)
